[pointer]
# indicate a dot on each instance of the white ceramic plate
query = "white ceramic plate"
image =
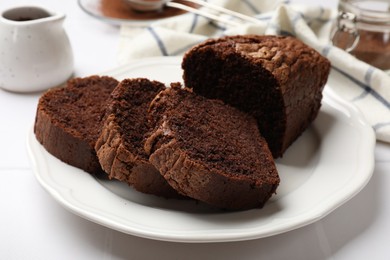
(93, 8)
(329, 164)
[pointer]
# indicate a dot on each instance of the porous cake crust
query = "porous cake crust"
(68, 120)
(278, 80)
(120, 147)
(210, 151)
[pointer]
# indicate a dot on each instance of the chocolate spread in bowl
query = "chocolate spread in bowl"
(363, 30)
(374, 49)
(120, 10)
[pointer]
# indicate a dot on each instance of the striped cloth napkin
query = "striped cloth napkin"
(365, 86)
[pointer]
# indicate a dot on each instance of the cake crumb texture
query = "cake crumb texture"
(278, 80)
(210, 151)
(68, 120)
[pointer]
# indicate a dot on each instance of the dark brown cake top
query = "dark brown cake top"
(212, 133)
(277, 54)
(79, 107)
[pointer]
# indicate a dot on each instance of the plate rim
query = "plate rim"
(368, 143)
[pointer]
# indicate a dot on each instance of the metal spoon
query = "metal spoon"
(147, 5)
(158, 5)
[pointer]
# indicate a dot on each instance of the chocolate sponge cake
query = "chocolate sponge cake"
(210, 151)
(278, 80)
(120, 147)
(68, 120)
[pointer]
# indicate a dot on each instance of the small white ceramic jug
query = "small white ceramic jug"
(35, 52)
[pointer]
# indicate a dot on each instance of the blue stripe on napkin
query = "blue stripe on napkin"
(159, 42)
(367, 88)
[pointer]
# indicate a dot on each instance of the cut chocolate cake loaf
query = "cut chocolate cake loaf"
(210, 151)
(278, 80)
(68, 120)
(120, 147)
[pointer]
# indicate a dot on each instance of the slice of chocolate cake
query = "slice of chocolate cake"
(210, 151)
(68, 120)
(278, 80)
(120, 147)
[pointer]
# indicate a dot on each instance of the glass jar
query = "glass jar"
(363, 29)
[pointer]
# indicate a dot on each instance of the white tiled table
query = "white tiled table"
(34, 226)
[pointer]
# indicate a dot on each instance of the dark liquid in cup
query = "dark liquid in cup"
(23, 14)
(23, 19)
